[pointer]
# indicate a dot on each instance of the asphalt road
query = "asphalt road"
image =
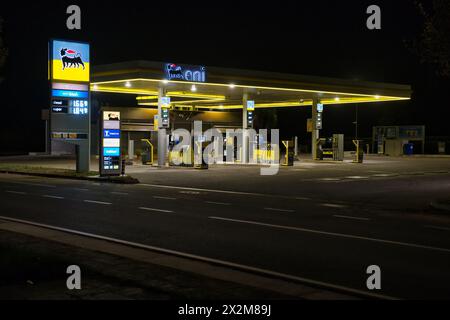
(317, 223)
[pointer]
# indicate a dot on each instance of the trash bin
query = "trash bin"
(409, 149)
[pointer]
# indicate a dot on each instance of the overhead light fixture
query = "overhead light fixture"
(232, 85)
(337, 99)
(193, 88)
(128, 84)
(377, 97)
(95, 87)
(165, 81)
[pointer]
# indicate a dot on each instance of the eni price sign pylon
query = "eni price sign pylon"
(70, 105)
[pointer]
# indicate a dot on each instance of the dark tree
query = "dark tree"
(433, 43)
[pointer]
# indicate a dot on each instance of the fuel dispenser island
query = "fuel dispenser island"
(147, 152)
(200, 145)
(287, 154)
(359, 152)
(332, 148)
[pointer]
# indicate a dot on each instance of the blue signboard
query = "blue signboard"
(70, 94)
(111, 133)
(111, 152)
(186, 73)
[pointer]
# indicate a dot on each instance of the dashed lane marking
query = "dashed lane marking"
(218, 203)
(98, 202)
(156, 210)
(53, 197)
(350, 217)
(16, 192)
(164, 198)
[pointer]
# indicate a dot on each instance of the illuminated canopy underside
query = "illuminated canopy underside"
(224, 88)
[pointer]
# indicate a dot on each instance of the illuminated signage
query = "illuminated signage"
(70, 86)
(60, 102)
(111, 143)
(250, 105)
(70, 61)
(112, 152)
(250, 119)
(185, 73)
(165, 112)
(319, 107)
(110, 160)
(59, 109)
(111, 125)
(70, 94)
(111, 133)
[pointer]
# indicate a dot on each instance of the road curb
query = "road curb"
(118, 180)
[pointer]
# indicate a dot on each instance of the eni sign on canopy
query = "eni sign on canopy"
(69, 61)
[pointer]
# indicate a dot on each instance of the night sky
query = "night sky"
(324, 38)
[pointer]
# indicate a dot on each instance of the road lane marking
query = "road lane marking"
(357, 177)
(164, 198)
(350, 217)
(242, 267)
(218, 203)
(154, 209)
(334, 234)
(200, 189)
(98, 202)
(438, 228)
(119, 193)
(53, 197)
(189, 192)
(81, 189)
(280, 210)
(16, 192)
(333, 205)
(302, 198)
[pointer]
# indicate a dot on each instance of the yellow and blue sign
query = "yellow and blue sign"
(70, 61)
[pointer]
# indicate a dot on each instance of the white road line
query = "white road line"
(200, 189)
(349, 217)
(333, 205)
(81, 189)
(357, 177)
(156, 210)
(334, 234)
(119, 193)
(218, 203)
(438, 228)
(164, 198)
(210, 260)
(16, 192)
(98, 202)
(280, 210)
(303, 198)
(53, 197)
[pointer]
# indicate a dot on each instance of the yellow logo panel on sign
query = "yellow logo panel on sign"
(70, 72)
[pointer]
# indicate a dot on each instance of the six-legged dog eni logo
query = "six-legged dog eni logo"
(71, 59)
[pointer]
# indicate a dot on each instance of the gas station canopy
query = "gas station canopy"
(223, 88)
